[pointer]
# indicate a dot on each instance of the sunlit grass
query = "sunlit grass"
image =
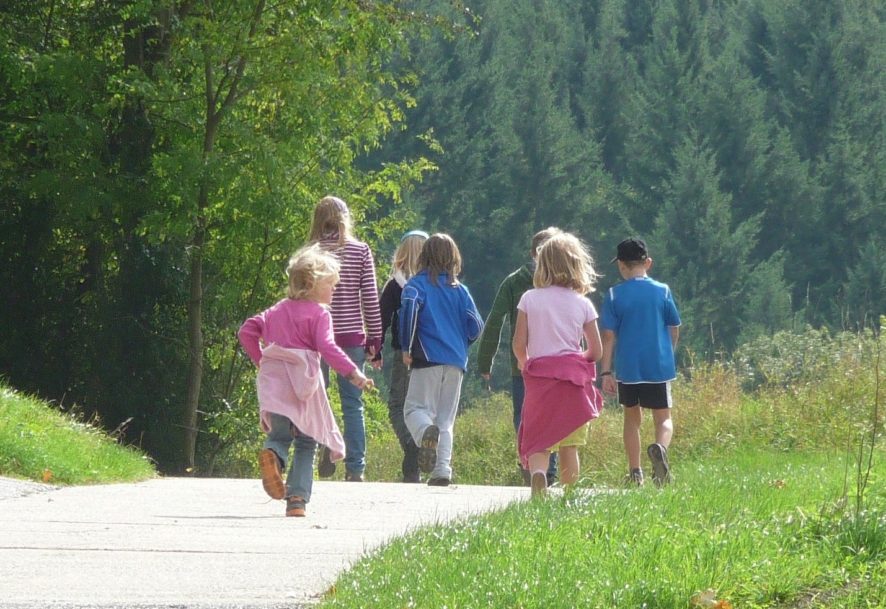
(40, 443)
(750, 527)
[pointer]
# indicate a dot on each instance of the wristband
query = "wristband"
(607, 373)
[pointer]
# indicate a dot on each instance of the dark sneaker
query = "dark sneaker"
(539, 485)
(439, 481)
(326, 467)
(295, 506)
(661, 471)
(271, 479)
(353, 477)
(412, 477)
(635, 478)
(427, 452)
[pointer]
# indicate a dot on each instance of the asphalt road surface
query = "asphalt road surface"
(203, 542)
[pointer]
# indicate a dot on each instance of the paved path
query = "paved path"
(185, 542)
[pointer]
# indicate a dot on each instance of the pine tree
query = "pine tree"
(701, 251)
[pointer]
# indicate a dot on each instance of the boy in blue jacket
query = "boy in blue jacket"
(438, 322)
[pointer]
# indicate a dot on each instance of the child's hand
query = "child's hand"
(359, 379)
(610, 386)
(407, 359)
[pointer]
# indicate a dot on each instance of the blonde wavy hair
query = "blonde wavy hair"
(407, 254)
(440, 255)
(331, 216)
(563, 260)
(307, 267)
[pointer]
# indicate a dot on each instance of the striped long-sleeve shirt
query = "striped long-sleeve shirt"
(356, 318)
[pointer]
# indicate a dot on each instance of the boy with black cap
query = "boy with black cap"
(639, 323)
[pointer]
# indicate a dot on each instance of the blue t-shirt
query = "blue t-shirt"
(640, 311)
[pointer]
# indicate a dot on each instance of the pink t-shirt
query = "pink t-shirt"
(555, 318)
(295, 324)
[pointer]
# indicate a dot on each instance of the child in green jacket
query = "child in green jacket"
(505, 306)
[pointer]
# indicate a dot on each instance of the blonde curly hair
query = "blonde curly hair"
(307, 267)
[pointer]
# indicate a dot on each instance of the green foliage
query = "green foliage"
(166, 159)
(43, 444)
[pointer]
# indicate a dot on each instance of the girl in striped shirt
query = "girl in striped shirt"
(356, 323)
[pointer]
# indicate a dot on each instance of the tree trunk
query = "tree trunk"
(195, 335)
(195, 297)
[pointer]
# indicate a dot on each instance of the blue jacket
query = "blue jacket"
(438, 322)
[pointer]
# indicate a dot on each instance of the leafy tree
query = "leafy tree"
(217, 126)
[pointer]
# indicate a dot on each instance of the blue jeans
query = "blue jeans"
(351, 397)
(518, 392)
(300, 479)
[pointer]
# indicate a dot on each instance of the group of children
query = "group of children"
(333, 316)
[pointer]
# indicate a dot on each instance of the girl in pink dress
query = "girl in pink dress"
(286, 342)
(559, 372)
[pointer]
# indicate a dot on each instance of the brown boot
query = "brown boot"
(271, 478)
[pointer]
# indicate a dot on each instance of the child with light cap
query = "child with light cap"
(403, 266)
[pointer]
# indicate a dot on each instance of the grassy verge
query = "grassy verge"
(40, 443)
(759, 529)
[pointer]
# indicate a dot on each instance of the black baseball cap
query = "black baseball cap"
(632, 249)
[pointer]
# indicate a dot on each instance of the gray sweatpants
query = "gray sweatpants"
(432, 399)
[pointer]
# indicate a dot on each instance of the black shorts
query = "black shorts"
(646, 395)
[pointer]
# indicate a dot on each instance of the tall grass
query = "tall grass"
(821, 407)
(38, 442)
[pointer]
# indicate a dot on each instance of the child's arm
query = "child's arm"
(675, 336)
(370, 305)
(592, 338)
(609, 384)
(473, 320)
(521, 339)
(408, 319)
(250, 334)
(338, 360)
(359, 379)
(492, 332)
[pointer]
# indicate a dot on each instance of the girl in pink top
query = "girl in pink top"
(356, 321)
(552, 321)
(286, 343)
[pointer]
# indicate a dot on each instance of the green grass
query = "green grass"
(757, 528)
(762, 512)
(38, 442)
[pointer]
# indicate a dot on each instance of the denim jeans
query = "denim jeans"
(300, 479)
(351, 397)
(396, 399)
(518, 392)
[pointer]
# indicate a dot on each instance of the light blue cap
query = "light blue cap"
(414, 233)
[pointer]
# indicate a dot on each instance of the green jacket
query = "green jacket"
(504, 305)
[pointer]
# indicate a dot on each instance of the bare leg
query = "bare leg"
(538, 462)
(664, 427)
(569, 465)
(633, 418)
